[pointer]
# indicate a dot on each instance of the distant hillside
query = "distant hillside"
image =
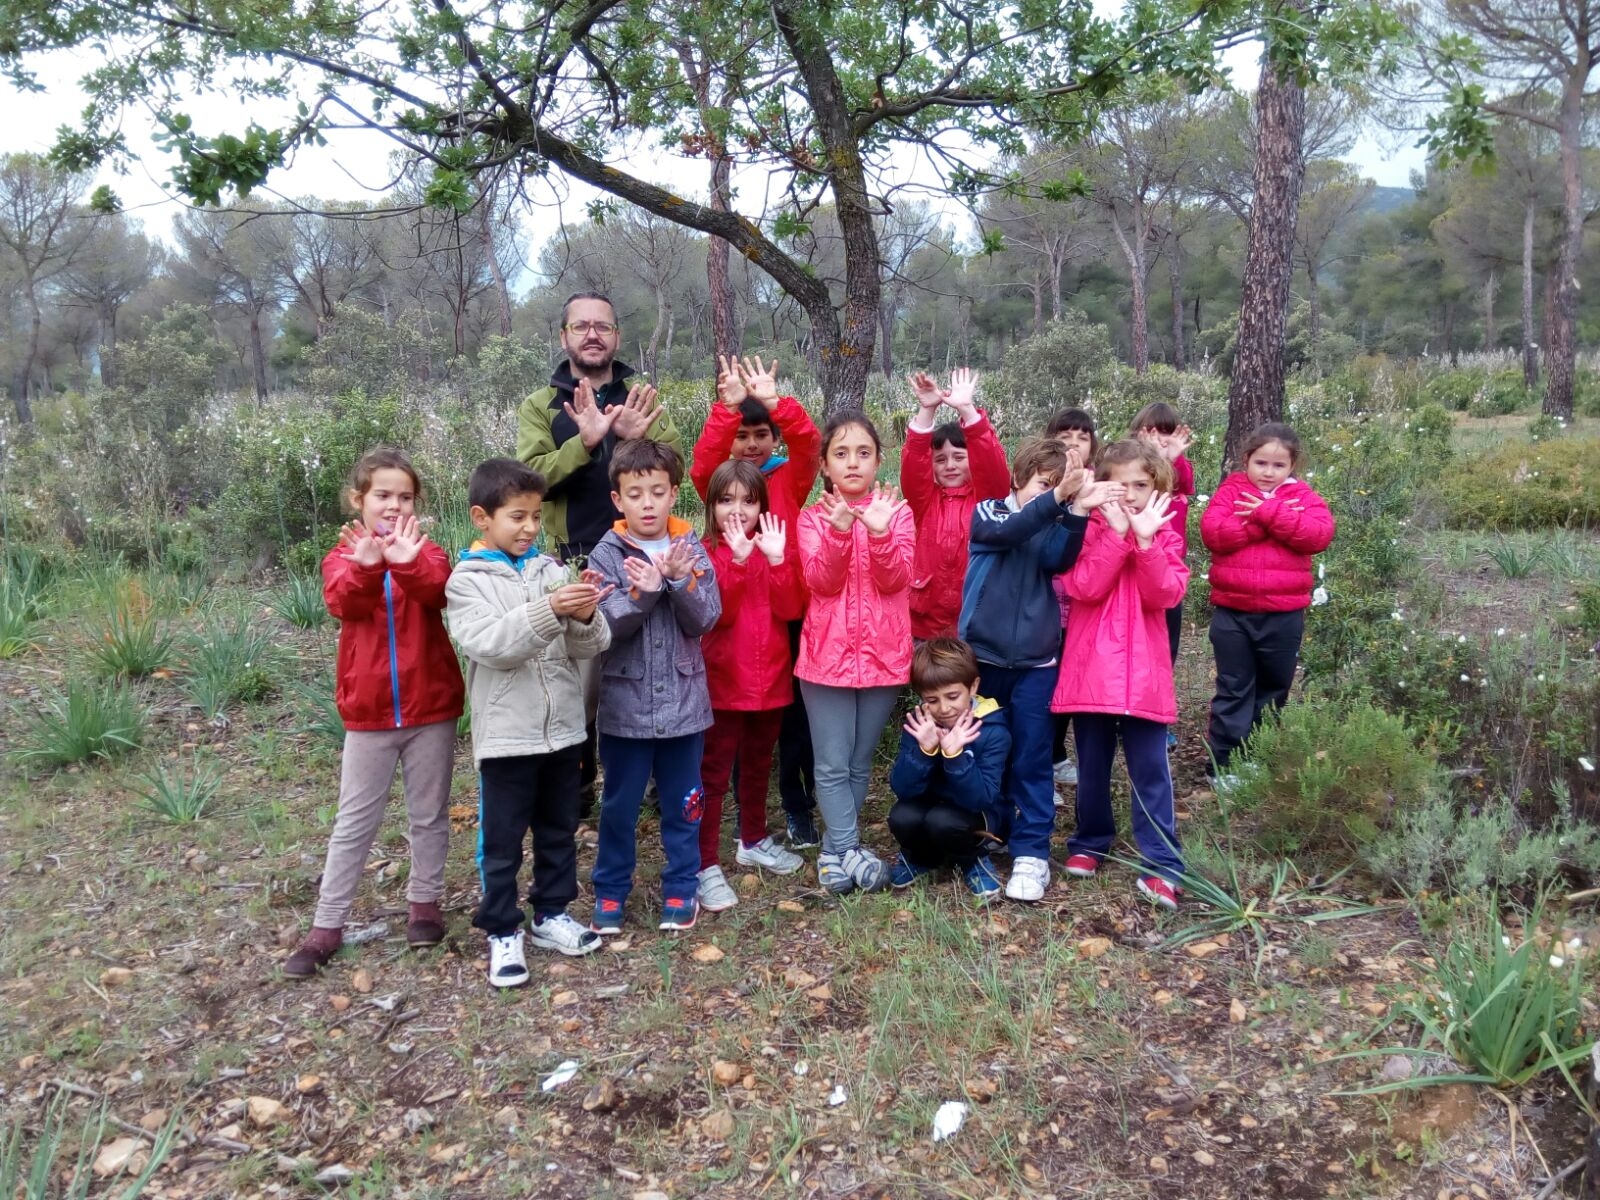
(1387, 199)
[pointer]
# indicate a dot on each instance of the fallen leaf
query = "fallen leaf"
(1093, 947)
(1236, 1012)
(361, 981)
(707, 954)
(821, 992)
(564, 999)
(791, 906)
(718, 1126)
(797, 978)
(115, 976)
(1202, 949)
(307, 1084)
(447, 1154)
(982, 1088)
(153, 1120)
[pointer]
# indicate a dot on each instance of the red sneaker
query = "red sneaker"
(1160, 891)
(1083, 866)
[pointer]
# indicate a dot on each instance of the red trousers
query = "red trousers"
(748, 738)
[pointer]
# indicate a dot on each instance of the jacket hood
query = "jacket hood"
(482, 552)
(984, 706)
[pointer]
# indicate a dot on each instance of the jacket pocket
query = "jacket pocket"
(622, 668)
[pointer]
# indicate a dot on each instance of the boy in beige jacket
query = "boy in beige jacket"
(522, 622)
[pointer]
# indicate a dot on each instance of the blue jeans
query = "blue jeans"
(628, 765)
(1144, 749)
(1023, 694)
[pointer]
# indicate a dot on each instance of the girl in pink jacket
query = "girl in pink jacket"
(1116, 672)
(1262, 527)
(857, 544)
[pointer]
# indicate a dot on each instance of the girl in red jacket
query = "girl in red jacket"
(399, 691)
(748, 670)
(1116, 673)
(856, 548)
(944, 472)
(1262, 527)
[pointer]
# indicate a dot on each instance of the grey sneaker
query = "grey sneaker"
(713, 891)
(867, 871)
(768, 854)
(563, 935)
(1065, 772)
(832, 875)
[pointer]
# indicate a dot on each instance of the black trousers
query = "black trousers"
(537, 792)
(1256, 654)
(933, 832)
(797, 778)
(1174, 629)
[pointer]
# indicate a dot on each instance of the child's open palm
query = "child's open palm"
(678, 561)
(760, 382)
(962, 733)
(773, 538)
(924, 728)
(406, 542)
(739, 542)
(1099, 493)
(360, 546)
(963, 392)
(643, 575)
(1116, 516)
(880, 510)
(1151, 517)
(730, 384)
(838, 511)
(926, 390)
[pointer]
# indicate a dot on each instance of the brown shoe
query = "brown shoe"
(425, 926)
(320, 946)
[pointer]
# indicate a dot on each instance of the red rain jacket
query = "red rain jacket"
(857, 630)
(1262, 563)
(748, 668)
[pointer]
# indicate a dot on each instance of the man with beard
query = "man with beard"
(567, 432)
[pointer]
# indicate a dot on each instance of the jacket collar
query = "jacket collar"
(480, 551)
(565, 383)
(676, 528)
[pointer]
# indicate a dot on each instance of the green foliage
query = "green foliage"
(299, 601)
(1515, 561)
(22, 587)
(1518, 485)
(1587, 616)
(1059, 368)
(48, 1174)
(130, 643)
(322, 711)
(180, 795)
(361, 352)
(1326, 776)
(87, 721)
(230, 662)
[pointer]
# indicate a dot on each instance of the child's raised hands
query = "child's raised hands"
(1178, 442)
(965, 730)
(1116, 516)
(678, 561)
(1151, 518)
(739, 542)
(926, 390)
(1099, 493)
(838, 511)
(406, 542)
(963, 392)
(760, 382)
(880, 510)
(360, 546)
(924, 728)
(643, 575)
(1073, 481)
(730, 384)
(772, 538)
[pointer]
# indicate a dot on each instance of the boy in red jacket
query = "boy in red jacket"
(945, 471)
(747, 423)
(1262, 527)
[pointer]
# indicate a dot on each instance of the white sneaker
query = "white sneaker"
(713, 891)
(1029, 879)
(507, 966)
(1065, 772)
(563, 935)
(768, 854)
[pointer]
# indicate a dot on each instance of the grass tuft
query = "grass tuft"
(299, 602)
(177, 795)
(230, 662)
(88, 720)
(131, 644)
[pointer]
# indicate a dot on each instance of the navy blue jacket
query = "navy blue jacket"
(1009, 612)
(973, 780)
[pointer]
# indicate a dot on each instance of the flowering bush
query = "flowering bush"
(1522, 485)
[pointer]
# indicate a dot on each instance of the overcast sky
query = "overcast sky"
(355, 164)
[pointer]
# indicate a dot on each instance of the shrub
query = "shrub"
(1328, 775)
(1519, 485)
(180, 797)
(230, 663)
(299, 601)
(1062, 366)
(88, 720)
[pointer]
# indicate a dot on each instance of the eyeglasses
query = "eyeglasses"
(583, 328)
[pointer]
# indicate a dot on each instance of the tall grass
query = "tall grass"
(46, 1175)
(230, 662)
(87, 721)
(130, 643)
(299, 601)
(179, 795)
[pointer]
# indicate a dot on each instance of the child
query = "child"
(1158, 425)
(654, 705)
(1116, 677)
(522, 623)
(944, 472)
(746, 423)
(1075, 430)
(1011, 619)
(856, 548)
(1262, 527)
(399, 693)
(948, 776)
(748, 670)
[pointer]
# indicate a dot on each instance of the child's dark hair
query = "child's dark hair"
(1132, 450)
(1272, 431)
(495, 480)
(1042, 456)
(379, 458)
(1160, 416)
(753, 412)
(941, 661)
(639, 455)
(1074, 419)
(949, 434)
(735, 471)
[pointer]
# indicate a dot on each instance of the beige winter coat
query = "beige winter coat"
(521, 679)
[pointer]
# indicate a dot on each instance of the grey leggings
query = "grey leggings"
(845, 725)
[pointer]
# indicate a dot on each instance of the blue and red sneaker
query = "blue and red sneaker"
(607, 918)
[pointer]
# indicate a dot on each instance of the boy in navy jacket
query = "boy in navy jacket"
(947, 778)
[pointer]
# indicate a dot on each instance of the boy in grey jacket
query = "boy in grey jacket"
(521, 622)
(654, 704)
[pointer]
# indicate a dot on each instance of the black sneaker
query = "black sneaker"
(803, 830)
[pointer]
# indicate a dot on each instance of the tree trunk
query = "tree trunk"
(1314, 317)
(1489, 331)
(1138, 307)
(501, 291)
(1255, 392)
(719, 277)
(1530, 351)
(886, 340)
(108, 345)
(1058, 262)
(258, 355)
(1561, 348)
(1037, 287)
(1180, 357)
(24, 380)
(650, 359)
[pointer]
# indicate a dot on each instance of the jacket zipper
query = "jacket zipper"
(540, 668)
(394, 659)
